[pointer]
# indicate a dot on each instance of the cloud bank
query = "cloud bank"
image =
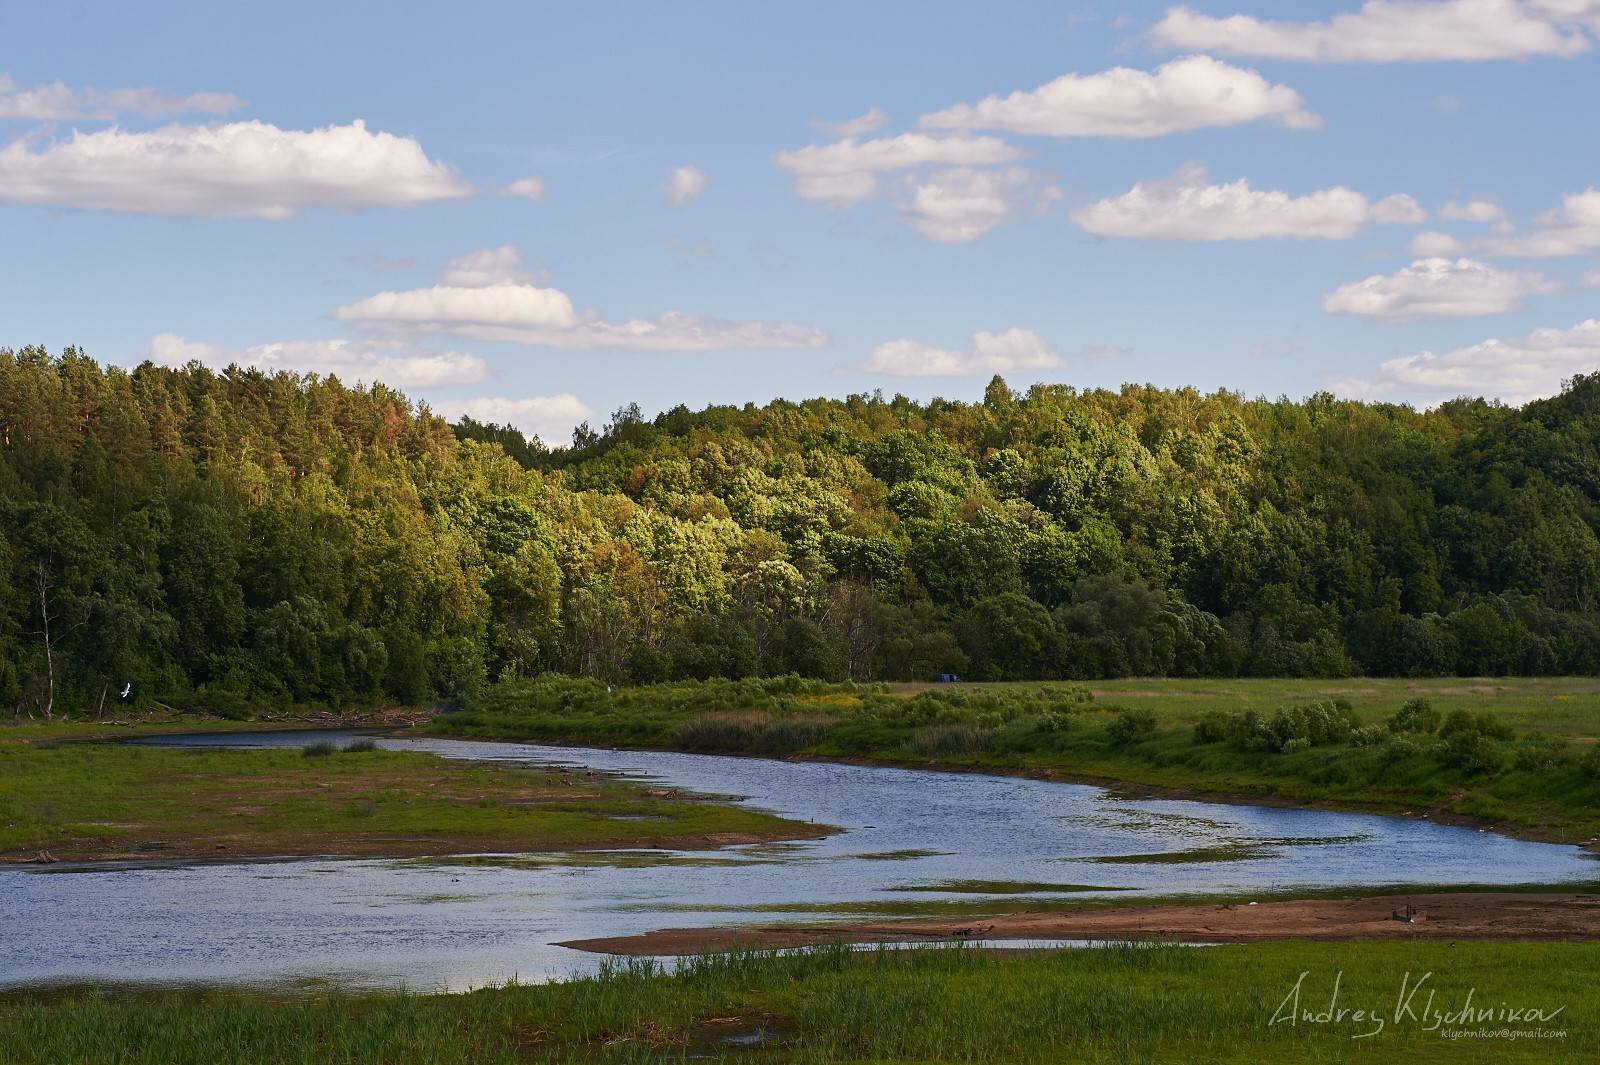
(237, 170)
(1437, 288)
(1196, 92)
(1389, 31)
(1187, 207)
(58, 103)
(485, 296)
(349, 360)
(1514, 370)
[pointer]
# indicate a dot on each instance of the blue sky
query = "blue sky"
(538, 213)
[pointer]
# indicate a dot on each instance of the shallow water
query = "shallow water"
(915, 842)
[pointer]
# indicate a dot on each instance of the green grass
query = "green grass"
(96, 800)
(1537, 778)
(1122, 1003)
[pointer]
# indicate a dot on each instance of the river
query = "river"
(914, 842)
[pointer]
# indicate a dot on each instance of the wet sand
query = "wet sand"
(1476, 915)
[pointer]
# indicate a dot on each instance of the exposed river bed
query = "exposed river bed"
(915, 843)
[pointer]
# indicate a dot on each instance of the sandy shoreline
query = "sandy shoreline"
(1469, 915)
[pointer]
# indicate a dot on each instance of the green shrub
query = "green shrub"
(1320, 724)
(1590, 763)
(1215, 726)
(1131, 726)
(1415, 716)
(318, 750)
(360, 747)
(1369, 735)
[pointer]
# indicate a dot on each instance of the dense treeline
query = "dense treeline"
(223, 539)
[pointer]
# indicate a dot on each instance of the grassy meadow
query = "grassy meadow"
(87, 800)
(1120, 1003)
(1519, 755)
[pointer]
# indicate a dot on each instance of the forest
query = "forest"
(233, 540)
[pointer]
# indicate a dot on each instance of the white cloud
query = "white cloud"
(1571, 229)
(1473, 211)
(350, 360)
(529, 188)
(550, 418)
(870, 122)
(1009, 352)
(1186, 207)
(1514, 370)
(686, 185)
(1589, 280)
(960, 205)
(58, 103)
(1437, 288)
(1195, 92)
(1385, 31)
(844, 173)
(243, 169)
(488, 266)
(485, 296)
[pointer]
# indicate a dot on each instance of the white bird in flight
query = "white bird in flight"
(126, 688)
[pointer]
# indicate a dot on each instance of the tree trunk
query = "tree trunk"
(49, 651)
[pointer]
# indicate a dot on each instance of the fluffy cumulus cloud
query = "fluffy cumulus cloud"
(1514, 370)
(960, 205)
(1571, 229)
(1391, 31)
(846, 172)
(1187, 207)
(1013, 351)
(1437, 288)
(398, 366)
(240, 169)
(1196, 92)
(57, 102)
(528, 188)
(685, 186)
(550, 418)
(485, 296)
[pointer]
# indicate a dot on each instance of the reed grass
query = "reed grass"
(1119, 1003)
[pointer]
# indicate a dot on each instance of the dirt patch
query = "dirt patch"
(1500, 916)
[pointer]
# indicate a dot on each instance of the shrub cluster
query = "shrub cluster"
(1293, 728)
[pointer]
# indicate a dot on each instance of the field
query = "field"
(91, 801)
(1519, 756)
(1120, 1003)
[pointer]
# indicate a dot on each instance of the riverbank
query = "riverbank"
(1499, 916)
(1293, 1001)
(64, 801)
(1515, 756)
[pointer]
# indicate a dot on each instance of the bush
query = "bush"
(1320, 724)
(1590, 763)
(318, 750)
(1415, 716)
(1476, 753)
(360, 747)
(1369, 735)
(1215, 726)
(1538, 753)
(1131, 726)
